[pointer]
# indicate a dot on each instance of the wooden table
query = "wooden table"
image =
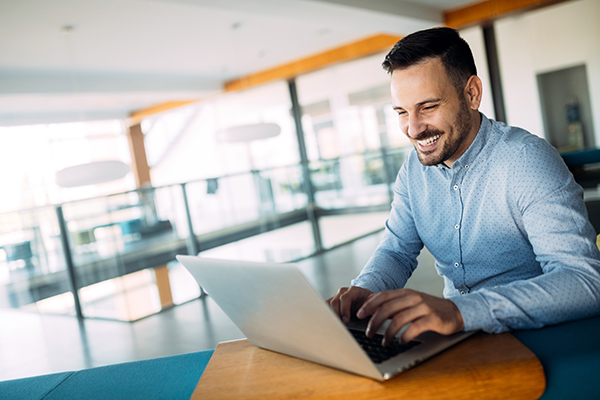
(482, 367)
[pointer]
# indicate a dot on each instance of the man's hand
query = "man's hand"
(425, 312)
(347, 301)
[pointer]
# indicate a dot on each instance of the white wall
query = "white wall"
(474, 36)
(545, 40)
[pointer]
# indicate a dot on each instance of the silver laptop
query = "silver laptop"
(277, 309)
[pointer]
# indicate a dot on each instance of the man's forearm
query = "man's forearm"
(555, 297)
(386, 270)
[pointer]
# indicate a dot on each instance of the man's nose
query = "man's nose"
(415, 126)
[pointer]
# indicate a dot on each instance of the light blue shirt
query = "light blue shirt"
(507, 227)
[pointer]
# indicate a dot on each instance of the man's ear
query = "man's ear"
(473, 92)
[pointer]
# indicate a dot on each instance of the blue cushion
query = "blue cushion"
(570, 355)
(174, 377)
(31, 388)
(577, 159)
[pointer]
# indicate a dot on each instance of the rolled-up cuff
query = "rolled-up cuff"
(476, 313)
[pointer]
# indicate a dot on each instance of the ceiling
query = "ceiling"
(73, 60)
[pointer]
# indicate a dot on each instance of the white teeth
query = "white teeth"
(430, 141)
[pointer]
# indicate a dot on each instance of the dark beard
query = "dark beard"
(463, 126)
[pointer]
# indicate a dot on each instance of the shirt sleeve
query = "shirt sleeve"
(395, 259)
(555, 221)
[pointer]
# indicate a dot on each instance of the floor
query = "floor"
(33, 344)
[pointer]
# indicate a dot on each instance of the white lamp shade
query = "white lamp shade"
(248, 133)
(91, 173)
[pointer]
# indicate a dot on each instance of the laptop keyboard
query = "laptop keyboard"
(378, 354)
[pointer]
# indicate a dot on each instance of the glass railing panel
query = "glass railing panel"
(284, 244)
(32, 263)
(355, 193)
(343, 228)
(350, 181)
(228, 201)
(207, 209)
(118, 242)
(282, 187)
(123, 245)
(223, 202)
(170, 215)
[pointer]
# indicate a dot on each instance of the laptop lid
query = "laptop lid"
(277, 309)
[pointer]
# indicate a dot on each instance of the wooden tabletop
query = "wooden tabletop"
(481, 367)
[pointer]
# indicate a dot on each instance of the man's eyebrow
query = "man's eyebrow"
(421, 103)
(428, 101)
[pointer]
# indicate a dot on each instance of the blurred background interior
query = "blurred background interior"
(135, 130)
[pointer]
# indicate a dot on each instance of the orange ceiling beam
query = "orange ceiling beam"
(138, 115)
(485, 11)
(473, 14)
(360, 48)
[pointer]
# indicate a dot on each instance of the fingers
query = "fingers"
(404, 306)
(375, 302)
(348, 299)
(411, 316)
(334, 302)
(416, 328)
(383, 306)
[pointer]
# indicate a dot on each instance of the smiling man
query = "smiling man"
(495, 205)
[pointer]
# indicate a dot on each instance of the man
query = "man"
(495, 205)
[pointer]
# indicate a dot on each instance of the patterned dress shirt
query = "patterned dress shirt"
(507, 226)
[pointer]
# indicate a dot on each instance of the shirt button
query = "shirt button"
(456, 265)
(466, 166)
(456, 226)
(455, 187)
(462, 292)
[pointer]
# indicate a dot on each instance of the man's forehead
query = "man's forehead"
(419, 83)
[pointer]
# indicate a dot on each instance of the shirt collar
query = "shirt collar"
(476, 147)
(478, 144)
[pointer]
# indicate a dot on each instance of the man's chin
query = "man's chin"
(429, 159)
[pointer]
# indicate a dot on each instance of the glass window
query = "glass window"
(197, 152)
(35, 153)
(346, 109)
(354, 142)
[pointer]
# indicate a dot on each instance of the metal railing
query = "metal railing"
(53, 250)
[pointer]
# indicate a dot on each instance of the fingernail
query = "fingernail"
(360, 313)
(345, 319)
(384, 342)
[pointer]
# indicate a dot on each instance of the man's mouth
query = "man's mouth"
(428, 143)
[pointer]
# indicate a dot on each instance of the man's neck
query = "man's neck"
(476, 118)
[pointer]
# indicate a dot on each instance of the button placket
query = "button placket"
(455, 194)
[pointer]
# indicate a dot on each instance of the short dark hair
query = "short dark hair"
(443, 43)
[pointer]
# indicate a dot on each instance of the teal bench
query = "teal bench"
(570, 355)
(173, 377)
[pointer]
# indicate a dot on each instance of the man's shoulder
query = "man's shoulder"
(513, 135)
(529, 158)
(515, 140)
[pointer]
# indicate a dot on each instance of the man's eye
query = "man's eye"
(401, 113)
(429, 108)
